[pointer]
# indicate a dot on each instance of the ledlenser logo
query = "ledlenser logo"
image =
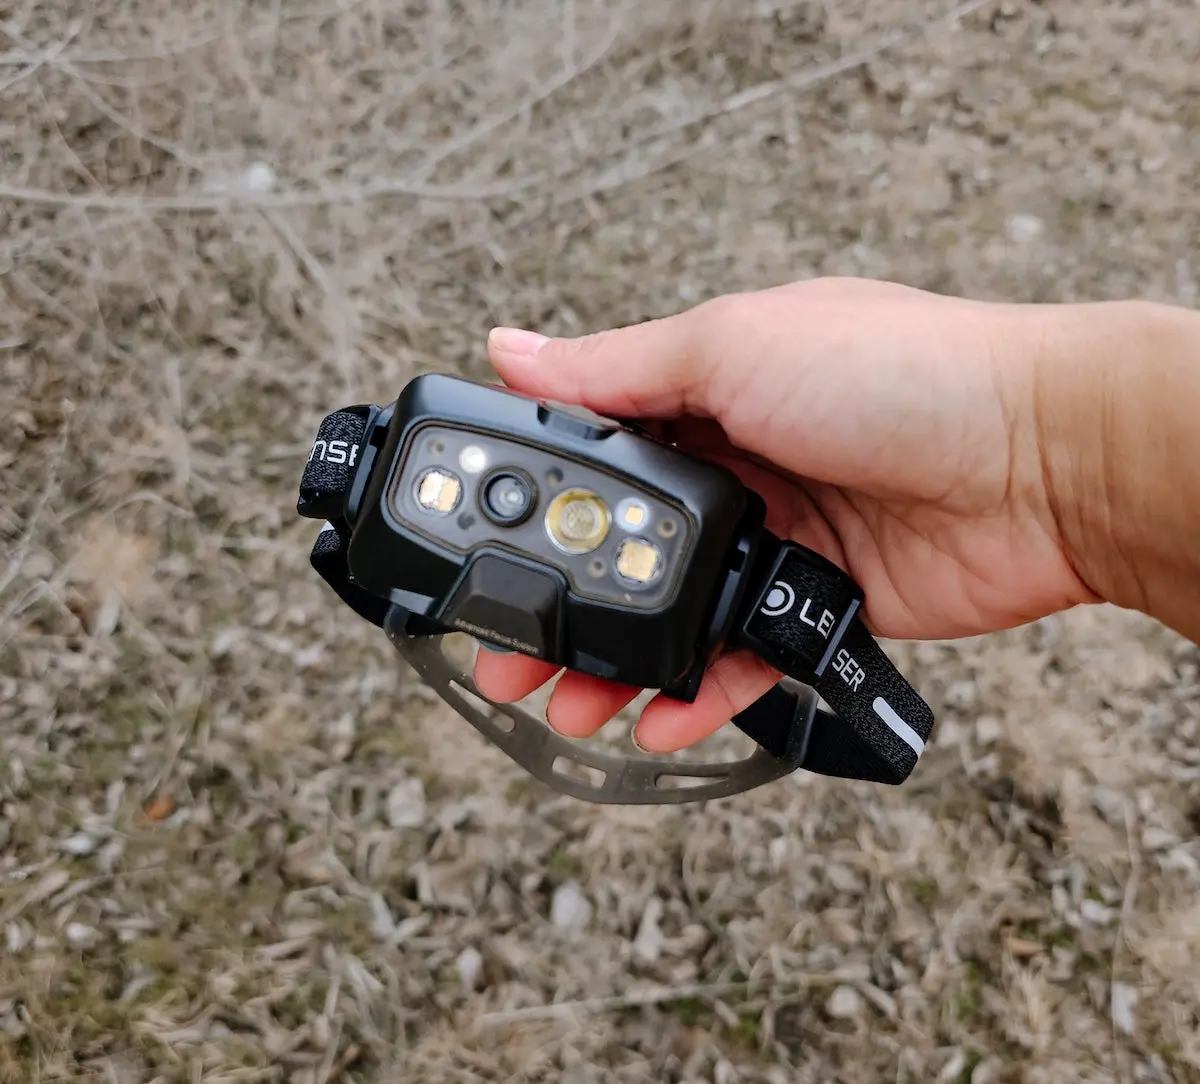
(338, 452)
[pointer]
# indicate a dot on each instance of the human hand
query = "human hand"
(890, 429)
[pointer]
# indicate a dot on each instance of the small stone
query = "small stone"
(989, 730)
(309, 861)
(16, 936)
(647, 945)
(79, 934)
(1124, 1000)
(569, 908)
(80, 844)
(1110, 804)
(1023, 229)
(1158, 839)
(226, 640)
(844, 1003)
(953, 1069)
(469, 966)
(406, 804)
(260, 177)
(961, 694)
(39, 566)
(1095, 912)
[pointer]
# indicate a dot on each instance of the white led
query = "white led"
(472, 459)
(632, 514)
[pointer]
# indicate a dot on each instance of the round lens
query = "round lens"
(577, 521)
(508, 497)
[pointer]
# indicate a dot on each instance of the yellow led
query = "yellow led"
(439, 491)
(577, 521)
(638, 561)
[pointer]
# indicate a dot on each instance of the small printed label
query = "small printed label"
(496, 637)
(849, 670)
(338, 452)
(782, 598)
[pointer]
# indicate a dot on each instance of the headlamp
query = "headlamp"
(549, 530)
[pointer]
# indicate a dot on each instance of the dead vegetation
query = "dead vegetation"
(238, 843)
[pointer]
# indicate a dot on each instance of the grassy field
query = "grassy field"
(239, 842)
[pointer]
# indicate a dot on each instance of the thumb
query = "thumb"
(655, 369)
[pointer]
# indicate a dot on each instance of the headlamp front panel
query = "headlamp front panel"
(613, 540)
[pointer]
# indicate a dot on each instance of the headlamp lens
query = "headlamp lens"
(508, 498)
(638, 561)
(577, 521)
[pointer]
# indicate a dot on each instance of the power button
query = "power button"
(576, 421)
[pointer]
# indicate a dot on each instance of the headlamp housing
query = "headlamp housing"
(546, 529)
(619, 556)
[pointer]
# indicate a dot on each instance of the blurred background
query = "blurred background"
(239, 842)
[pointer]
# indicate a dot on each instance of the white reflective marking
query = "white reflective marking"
(780, 599)
(328, 527)
(887, 713)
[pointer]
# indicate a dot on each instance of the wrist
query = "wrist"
(1116, 397)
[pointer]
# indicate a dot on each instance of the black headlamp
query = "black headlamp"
(545, 529)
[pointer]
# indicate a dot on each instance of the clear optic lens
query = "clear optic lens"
(638, 561)
(508, 498)
(472, 459)
(438, 491)
(577, 521)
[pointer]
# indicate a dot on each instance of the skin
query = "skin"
(974, 466)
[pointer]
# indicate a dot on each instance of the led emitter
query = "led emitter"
(438, 491)
(638, 561)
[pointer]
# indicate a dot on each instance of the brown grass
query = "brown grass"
(220, 221)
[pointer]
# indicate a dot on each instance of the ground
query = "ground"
(239, 842)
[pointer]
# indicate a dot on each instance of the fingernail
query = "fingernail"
(633, 735)
(516, 342)
(494, 649)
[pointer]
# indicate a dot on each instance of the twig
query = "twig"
(596, 1005)
(38, 60)
(542, 94)
(414, 189)
(16, 558)
(201, 202)
(1127, 903)
(174, 49)
(340, 332)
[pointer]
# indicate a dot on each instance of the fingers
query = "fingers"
(730, 686)
(508, 678)
(655, 369)
(581, 704)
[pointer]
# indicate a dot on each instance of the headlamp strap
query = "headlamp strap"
(802, 616)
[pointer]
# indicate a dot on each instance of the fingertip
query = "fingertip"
(514, 344)
(508, 678)
(582, 704)
(731, 685)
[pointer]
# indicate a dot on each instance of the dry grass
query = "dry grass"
(238, 843)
